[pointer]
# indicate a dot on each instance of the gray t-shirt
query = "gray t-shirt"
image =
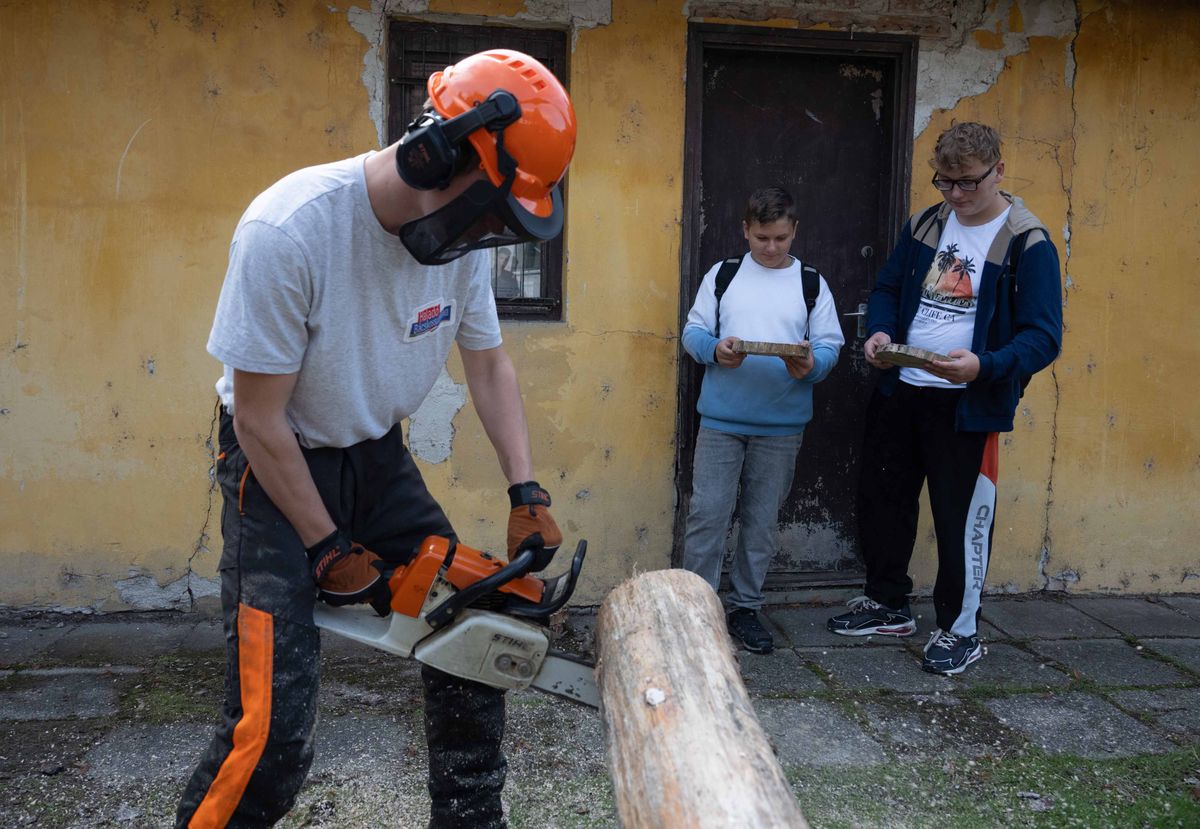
(315, 285)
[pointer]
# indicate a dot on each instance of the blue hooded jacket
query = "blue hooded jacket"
(1018, 323)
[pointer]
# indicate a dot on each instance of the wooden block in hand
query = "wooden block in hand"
(771, 349)
(908, 356)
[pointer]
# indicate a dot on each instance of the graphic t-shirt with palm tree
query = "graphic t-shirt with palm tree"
(945, 318)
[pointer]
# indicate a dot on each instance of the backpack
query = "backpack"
(809, 276)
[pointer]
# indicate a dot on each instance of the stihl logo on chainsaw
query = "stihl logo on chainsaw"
(508, 640)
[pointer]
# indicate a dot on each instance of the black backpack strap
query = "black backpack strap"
(725, 275)
(810, 279)
(1015, 248)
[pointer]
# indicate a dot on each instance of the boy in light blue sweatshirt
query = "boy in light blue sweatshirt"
(753, 408)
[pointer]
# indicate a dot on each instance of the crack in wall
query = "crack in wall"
(201, 545)
(1065, 577)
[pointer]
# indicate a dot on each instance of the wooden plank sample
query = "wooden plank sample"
(771, 349)
(908, 356)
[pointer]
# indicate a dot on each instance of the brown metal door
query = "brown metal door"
(829, 117)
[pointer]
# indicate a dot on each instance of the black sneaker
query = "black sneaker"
(948, 653)
(868, 617)
(744, 625)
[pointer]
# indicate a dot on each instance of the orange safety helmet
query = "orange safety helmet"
(541, 141)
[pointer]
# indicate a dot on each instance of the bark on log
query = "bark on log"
(685, 748)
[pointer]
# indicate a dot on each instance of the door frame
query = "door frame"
(901, 52)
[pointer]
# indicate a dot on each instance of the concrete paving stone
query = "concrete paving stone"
(571, 735)
(1137, 617)
(1108, 661)
(126, 642)
(815, 733)
(333, 645)
(1186, 652)
(1176, 710)
(1184, 604)
(1077, 723)
(1043, 618)
(781, 672)
(873, 668)
(358, 743)
(934, 727)
(342, 747)
(205, 635)
(1006, 666)
(926, 619)
(58, 696)
(804, 626)
(141, 754)
(24, 643)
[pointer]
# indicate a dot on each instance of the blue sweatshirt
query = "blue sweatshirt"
(765, 304)
(1018, 327)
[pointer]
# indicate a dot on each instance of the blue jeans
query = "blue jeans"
(763, 466)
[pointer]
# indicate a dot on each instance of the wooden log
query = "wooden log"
(685, 748)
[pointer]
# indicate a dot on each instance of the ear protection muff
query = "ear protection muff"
(429, 153)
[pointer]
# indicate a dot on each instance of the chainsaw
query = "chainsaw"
(465, 612)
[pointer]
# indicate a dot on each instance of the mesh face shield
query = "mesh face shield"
(483, 216)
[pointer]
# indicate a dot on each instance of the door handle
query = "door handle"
(861, 313)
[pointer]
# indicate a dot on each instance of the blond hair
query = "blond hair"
(961, 143)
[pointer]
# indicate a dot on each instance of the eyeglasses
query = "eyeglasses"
(967, 185)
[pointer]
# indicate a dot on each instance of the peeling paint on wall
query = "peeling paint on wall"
(947, 73)
(144, 593)
(431, 427)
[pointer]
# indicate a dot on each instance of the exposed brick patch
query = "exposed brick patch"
(925, 18)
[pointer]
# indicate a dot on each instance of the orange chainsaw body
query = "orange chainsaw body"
(411, 583)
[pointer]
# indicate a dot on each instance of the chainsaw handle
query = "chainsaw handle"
(558, 590)
(444, 613)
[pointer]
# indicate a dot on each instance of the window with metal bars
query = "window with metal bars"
(527, 278)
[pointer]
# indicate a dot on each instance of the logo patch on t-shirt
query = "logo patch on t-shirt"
(429, 318)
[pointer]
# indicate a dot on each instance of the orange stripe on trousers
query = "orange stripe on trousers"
(990, 467)
(255, 659)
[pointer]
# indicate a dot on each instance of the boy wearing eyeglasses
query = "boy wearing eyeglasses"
(975, 278)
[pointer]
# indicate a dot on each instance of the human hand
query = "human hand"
(962, 367)
(873, 344)
(530, 524)
(348, 573)
(799, 367)
(725, 355)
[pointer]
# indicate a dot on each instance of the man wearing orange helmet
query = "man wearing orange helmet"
(346, 287)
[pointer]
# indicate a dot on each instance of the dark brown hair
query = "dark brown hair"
(768, 204)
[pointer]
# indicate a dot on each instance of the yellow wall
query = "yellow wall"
(1125, 513)
(133, 135)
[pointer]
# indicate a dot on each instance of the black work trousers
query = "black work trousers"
(910, 440)
(257, 761)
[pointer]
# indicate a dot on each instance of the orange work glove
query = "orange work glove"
(348, 573)
(530, 525)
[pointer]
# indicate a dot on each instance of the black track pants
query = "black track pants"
(911, 439)
(257, 761)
